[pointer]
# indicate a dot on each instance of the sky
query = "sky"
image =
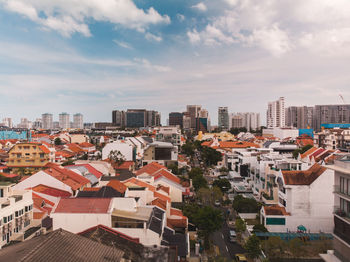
(93, 56)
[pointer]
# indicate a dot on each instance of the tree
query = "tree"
(236, 131)
(188, 148)
(204, 194)
(210, 156)
(296, 247)
(253, 247)
(216, 193)
(194, 172)
(240, 225)
(174, 169)
(58, 141)
(198, 182)
(208, 220)
(245, 205)
(274, 247)
(259, 228)
(223, 184)
(190, 211)
(117, 157)
(301, 151)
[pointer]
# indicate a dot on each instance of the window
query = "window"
(16, 214)
(275, 221)
(5, 220)
(42, 155)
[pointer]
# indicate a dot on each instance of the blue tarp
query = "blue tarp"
(290, 236)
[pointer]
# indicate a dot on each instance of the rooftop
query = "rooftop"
(83, 205)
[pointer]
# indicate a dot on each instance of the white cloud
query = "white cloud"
(200, 6)
(68, 17)
(123, 44)
(180, 17)
(321, 26)
(152, 37)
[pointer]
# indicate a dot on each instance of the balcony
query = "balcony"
(341, 214)
(342, 229)
(336, 189)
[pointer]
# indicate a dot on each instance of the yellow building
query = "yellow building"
(31, 156)
(222, 136)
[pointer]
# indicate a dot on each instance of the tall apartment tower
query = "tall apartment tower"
(276, 115)
(118, 118)
(299, 116)
(47, 121)
(223, 121)
(64, 121)
(331, 114)
(7, 122)
(193, 114)
(78, 121)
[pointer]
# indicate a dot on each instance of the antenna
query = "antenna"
(342, 98)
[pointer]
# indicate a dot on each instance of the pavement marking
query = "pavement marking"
(222, 236)
(226, 248)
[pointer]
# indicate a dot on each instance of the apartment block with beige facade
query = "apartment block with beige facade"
(31, 156)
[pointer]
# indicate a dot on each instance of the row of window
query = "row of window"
(345, 185)
(17, 214)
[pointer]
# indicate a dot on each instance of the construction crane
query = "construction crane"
(342, 98)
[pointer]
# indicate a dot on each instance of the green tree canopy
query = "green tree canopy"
(210, 156)
(274, 247)
(240, 225)
(199, 182)
(188, 148)
(259, 228)
(253, 246)
(223, 184)
(174, 169)
(117, 157)
(58, 141)
(301, 151)
(245, 205)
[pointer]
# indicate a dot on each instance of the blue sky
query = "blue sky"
(94, 56)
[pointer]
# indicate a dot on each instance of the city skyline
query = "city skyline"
(171, 53)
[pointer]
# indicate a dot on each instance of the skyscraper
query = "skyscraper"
(7, 122)
(47, 121)
(193, 114)
(276, 114)
(299, 116)
(176, 119)
(331, 114)
(136, 118)
(64, 121)
(78, 121)
(223, 121)
(118, 118)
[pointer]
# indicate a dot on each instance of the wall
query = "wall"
(42, 178)
(77, 223)
(147, 237)
(124, 148)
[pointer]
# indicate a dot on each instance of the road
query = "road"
(221, 239)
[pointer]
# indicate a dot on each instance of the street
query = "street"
(221, 239)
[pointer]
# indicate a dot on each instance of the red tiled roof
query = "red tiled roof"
(317, 152)
(124, 165)
(91, 189)
(86, 145)
(70, 178)
(306, 177)
(176, 212)
(161, 196)
(308, 152)
(38, 200)
(117, 185)
(8, 175)
(165, 173)
(159, 203)
(275, 210)
(44, 149)
(166, 189)
(91, 170)
(47, 190)
(140, 183)
(179, 223)
(150, 168)
(83, 205)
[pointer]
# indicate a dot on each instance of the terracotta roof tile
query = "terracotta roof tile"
(150, 168)
(83, 205)
(275, 211)
(165, 173)
(306, 177)
(51, 191)
(117, 185)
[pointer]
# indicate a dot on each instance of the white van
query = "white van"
(232, 236)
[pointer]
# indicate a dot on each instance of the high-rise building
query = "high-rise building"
(118, 118)
(300, 117)
(176, 119)
(223, 121)
(202, 121)
(47, 121)
(38, 124)
(64, 121)
(186, 120)
(249, 120)
(78, 121)
(25, 123)
(193, 114)
(276, 114)
(136, 118)
(331, 114)
(7, 122)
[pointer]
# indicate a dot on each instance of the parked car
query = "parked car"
(232, 236)
(240, 258)
(217, 203)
